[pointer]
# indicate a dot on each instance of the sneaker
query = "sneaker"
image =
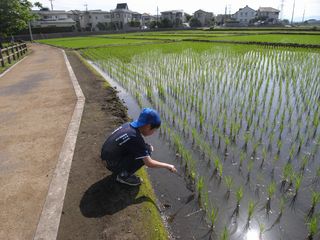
(131, 180)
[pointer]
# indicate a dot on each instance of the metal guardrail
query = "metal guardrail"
(12, 53)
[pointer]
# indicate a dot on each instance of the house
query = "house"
(53, 21)
(95, 20)
(269, 13)
(205, 18)
(75, 16)
(121, 16)
(146, 19)
(244, 15)
(220, 19)
(136, 19)
(175, 17)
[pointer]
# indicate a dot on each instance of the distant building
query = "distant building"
(204, 17)
(58, 20)
(75, 16)
(95, 20)
(244, 15)
(121, 16)
(220, 19)
(146, 19)
(175, 17)
(313, 21)
(269, 13)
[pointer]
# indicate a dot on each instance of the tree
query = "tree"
(14, 16)
(166, 23)
(188, 17)
(195, 22)
(134, 24)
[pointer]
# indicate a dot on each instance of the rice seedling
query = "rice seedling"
(225, 234)
(264, 157)
(315, 200)
(287, 172)
(229, 183)
(271, 189)
(239, 196)
(304, 163)
(291, 153)
(220, 171)
(227, 142)
(298, 181)
(251, 209)
(200, 186)
(312, 227)
(262, 229)
(249, 168)
(317, 175)
(216, 162)
(213, 217)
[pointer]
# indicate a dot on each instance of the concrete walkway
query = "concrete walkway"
(37, 100)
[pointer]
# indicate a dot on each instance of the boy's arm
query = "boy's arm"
(149, 162)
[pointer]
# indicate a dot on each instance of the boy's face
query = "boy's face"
(146, 130)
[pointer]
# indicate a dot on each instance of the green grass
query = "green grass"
(153, 227)
(253, 36)
(85, 42)
(126, 53)
(274, 38)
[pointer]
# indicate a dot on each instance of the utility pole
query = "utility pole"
(157, 16)
(30, 32)
(281, 9)
(294, 4)
(86, 5)
(304, 11)
(51, 4)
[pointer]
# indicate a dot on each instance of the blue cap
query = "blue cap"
(147, 116)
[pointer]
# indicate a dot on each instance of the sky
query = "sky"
(308, 8)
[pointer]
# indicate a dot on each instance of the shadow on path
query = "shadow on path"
(107, 197)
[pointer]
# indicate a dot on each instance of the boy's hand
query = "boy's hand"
(172, 168)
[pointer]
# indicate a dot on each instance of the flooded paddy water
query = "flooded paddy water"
(243, 127)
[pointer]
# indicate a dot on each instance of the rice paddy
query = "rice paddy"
(243, 120)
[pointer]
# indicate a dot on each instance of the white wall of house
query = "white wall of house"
(90, 19)
(121, 17)
(270, 13)
(146, 19)
(52, 19)
(244, 15)
(175, 16)
(204, 17)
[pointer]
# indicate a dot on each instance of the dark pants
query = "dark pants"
(124, 165)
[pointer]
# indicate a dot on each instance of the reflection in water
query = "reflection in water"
(252, 235)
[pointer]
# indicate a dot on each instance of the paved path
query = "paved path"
(37, 100)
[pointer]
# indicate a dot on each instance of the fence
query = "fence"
(12, 53)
